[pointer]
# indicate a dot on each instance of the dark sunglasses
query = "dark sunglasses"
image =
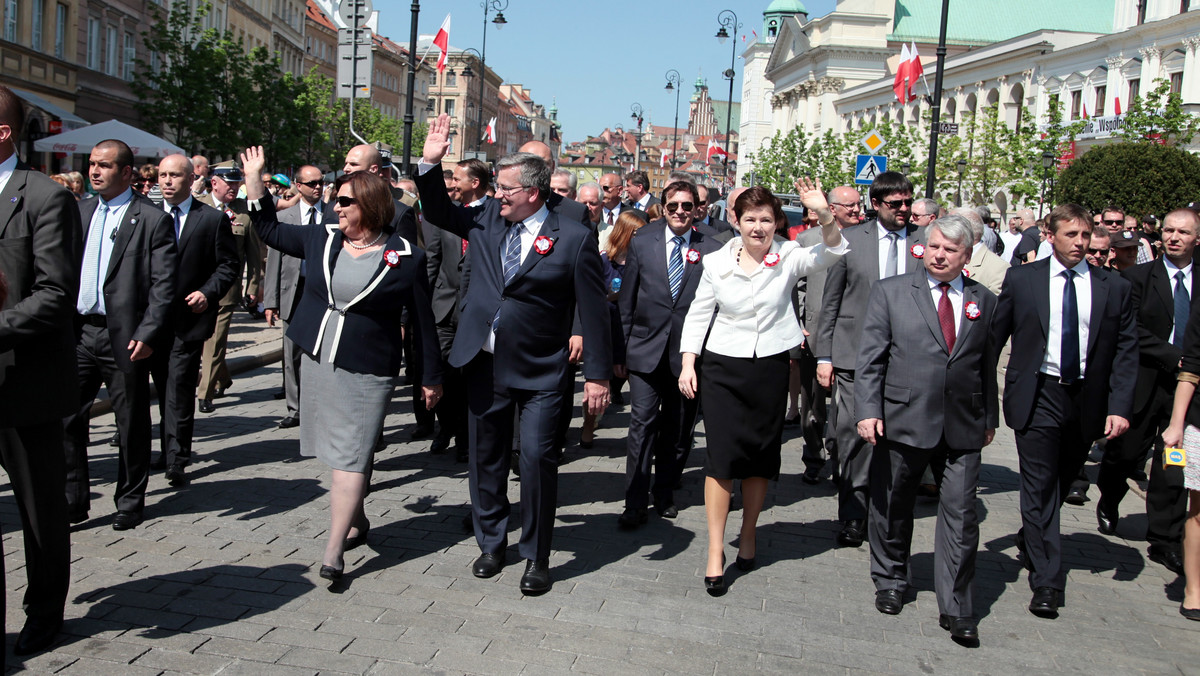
(672, 207)
(1098, 252)
(1119, 221)
(896, 204)
(312, 184)
(344, 201)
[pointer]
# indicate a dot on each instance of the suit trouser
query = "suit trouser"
(854, 454)
(175, 373)
(813, 413)
(291, 372)
(661, 426)
(1166, 499)
(213, 370)
(896, 471)
(129, 393)
(414, 369)
(33, 458)
(451, 411)
(1051, 449)
(490, 415)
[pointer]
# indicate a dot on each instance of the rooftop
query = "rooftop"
(981, 22)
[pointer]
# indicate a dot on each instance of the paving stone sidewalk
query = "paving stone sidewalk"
(222, 577)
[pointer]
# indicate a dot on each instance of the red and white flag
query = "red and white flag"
(902, 84)
(489, 134)
(1117, 105)
(915, 69)
(442, 41)
(714, 149)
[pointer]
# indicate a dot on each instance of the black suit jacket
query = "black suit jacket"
(651, 320)
(41, 242)
(139, 287)
(444, 265)
(535, 325)
(568, 208)
(1154, 306)
(207, 262)
(1024, 314)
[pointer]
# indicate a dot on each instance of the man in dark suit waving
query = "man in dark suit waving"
(126, 290)
(529, 269)
(207, 264)
(925, 385)
(39, 255)
(1070, 380)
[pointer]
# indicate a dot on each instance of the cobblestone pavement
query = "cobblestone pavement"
(222, 577)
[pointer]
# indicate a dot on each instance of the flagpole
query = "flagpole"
(931, 170)
(406, 165)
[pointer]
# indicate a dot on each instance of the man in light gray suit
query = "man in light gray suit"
(284, 284)
(925, 385)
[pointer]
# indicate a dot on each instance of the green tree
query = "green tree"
(272, 115)
(317, 113)
(1159, 117)
(1144, 178)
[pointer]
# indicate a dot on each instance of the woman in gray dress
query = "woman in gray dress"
(359, 277)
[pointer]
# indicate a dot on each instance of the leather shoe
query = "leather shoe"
(330, 573)
(289, 422)
(960, 628)
(38, 634)
(176, 476)
(1168, 558)
(159, 462)
(357, 540)
(487, 565)
(115, 441)
(204, 405)
(1045, 602)
(536, 579)
(811, 477)
(631, 518)
(889, 601)
(441, 444)
(1190, 613)
(125, 520)
(1076, 496)
(852, 533)
(1106, 519)
(666, 508)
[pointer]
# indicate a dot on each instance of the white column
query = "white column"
(1151, 66)
(1191, 89)
(1115, 84)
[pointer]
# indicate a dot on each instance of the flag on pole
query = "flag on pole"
(714, 149)
(1085, 115)
(662, 159)
(489, 134)
(902, 84)
(916, 69)
(755, 34)
(442, 40)
(1117, 105)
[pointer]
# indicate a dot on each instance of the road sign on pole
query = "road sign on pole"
(868, 167)
(873, 142)
(355, 56)
(948, 129)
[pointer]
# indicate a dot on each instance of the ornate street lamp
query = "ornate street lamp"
(676, 83)
(962, 168)
(1047, 162)
(499, 21)
(729, 22)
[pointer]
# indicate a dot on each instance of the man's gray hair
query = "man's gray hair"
(572, 179)
(593, 185)
(928, 205)
(535, 173)
(956, 227)
(985, 213)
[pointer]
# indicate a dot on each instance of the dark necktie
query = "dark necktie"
(610, 218)
(675, 267)
(1069, 363)
(1183, 306)
(891, 265)
(946, 316)
(178, 221)
(512, 253)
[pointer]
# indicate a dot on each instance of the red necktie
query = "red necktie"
(946, 316)
(610, 218)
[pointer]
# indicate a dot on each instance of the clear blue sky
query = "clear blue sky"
(598, 58)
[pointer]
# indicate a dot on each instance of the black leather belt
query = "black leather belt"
(94, 320)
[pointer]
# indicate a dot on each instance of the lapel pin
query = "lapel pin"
(13, 200)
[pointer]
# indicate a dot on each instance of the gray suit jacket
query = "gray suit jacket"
(847, 285)
(812, 287)
(444, 263)
(40, 247)
(282, 278)
(906, 376)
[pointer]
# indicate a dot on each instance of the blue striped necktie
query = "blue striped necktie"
(512, 252)
(675, 267)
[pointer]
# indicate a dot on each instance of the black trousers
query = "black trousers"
(813, 411)
(1051, 450)
(451, 411)
(32, 456)
(414, 369)
(491, 410)
(129, 393)
(661, 425)
(175, 374)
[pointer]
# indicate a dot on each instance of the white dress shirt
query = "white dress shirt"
(306, 211)
(100, 247)
(1171, 270)
(755, 316)
(530, 228)
(7, 167)
(956, 298)
(605, 211)
(885, 244)
(184, 209)
(670, 246)
(641, 204)
(1052, 361)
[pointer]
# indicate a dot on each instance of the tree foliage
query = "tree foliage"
(1144, 178)
(1159, 117)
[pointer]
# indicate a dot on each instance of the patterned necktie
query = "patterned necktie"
(512, 252)
(1069, 363)
(675, 267)
(610, 218)
(1183, 306)
(178, 222)
(946, 316)
(893, 256)
(90, 277)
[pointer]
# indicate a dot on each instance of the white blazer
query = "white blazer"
(754, 311)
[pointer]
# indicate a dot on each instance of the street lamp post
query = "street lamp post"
(499, 20)
(961, 165)
(728, 21)
(674, 82)
(636, 114)
(468, 73)
(412, 79)
(1047, 162)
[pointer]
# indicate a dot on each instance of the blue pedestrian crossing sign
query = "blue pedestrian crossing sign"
(867, 167)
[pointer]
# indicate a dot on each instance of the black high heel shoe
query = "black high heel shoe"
(330, 573)
(744, 565)
(715, 585)
(360, 539)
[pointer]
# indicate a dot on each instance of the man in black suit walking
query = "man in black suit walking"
(206, 266)
(126, 290)
(529, 269)
(39, 254)
(1162, 297)
(1070, 380)
(662, 270)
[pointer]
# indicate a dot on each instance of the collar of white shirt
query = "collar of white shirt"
(956, 284)
(670, 234)
(883, 232)
(533, 224)
(7, 167)
(184, 207)
(1056, 268)
(119, 201)
(1172, 268)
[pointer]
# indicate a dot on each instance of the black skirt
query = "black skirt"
(743, 399)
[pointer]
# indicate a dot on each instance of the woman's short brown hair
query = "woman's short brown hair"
(374, 197)
(758, 196)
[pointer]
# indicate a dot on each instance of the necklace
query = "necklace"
(366, 246)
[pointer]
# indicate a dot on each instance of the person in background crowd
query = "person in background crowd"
(563, 182)
(1011, 237)
(591, 195)
(984, 266)
(1125, 246)
(76, 184)
(703, 214)
(637, 188)
(1099, 248)
(924, 211)
(61, 179)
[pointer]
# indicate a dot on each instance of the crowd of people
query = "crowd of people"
(493, 289)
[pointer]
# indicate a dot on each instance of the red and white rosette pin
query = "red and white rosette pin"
(917, 251)
(966, 273)
(391, 257)
(693, 256)
(543, 244)
(771, 259)
(972, 311)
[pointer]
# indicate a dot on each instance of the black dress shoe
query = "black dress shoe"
(1168, 558)
(422, 431)
(632, 518)
(715, 585)
(289, 422)
(1045, 603)
(220, 392)
(852, 533)
(176, 476)
(357, 540)
(77, 517)
(38, 634)
(204, 405)
(1106, 520)
(1076, 496)
(126, 520)
(1190, 613)
(536, 579)
(666, 509)
(330, 573)
(744, 565)
(960, 628)
(889, 601)
(441, 444)
(159, 462)
(487, 565)
(115, 441)
(812, 477)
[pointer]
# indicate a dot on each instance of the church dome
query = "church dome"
(786, 7)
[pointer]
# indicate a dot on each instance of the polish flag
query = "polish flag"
(662, 159)
(714, 149)
(902, 84)
(915, 68)
(442, 40)
(489, 134)
(1117, 104)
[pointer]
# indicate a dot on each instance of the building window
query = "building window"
(130, 55)
(35, 36)
(1177, 83)
(1135, 89)
(450, 107)
(10, 20)
(1101, 94)
(451, 78)
(110, 50)
(93, 43)
(1076, 102)
(60, 31)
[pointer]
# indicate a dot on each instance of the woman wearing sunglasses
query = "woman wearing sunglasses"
(348, 323)
(743, 379)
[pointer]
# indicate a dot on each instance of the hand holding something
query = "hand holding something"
(1173, 436)
(196, 302)
(437, 141)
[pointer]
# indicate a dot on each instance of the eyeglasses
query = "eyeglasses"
(610, 188)
(1117, 221)
(508, 192)
(672, 207)
(849, 206)
(1098, 252)
(312, 184)
(344, 201)
(896, 204)
(923, 215)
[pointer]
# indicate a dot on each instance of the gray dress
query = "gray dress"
(343, 411)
